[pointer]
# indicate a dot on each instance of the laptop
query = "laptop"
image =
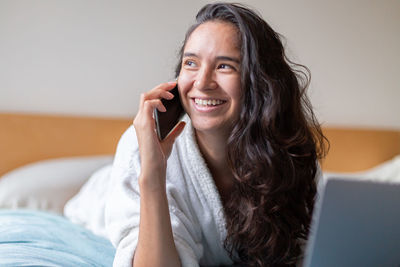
(355, 223)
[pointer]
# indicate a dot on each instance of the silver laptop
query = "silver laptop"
(355, 223)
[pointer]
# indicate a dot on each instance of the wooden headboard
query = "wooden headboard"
(359, 149)
(29, 138)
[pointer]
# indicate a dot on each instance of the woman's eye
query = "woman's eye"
(225, 66)
(189, 63)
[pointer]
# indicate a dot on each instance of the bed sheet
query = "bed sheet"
(36, 238)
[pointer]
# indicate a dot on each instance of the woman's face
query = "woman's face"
(209, 80)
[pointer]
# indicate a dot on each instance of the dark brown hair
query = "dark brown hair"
(274, 146)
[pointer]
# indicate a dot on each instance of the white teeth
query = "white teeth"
(210, 102)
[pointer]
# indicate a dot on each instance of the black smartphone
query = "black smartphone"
(166, 121)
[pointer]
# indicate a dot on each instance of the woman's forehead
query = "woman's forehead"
(214, 33)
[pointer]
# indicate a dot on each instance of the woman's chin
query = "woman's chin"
(204, 125)
(212, 126)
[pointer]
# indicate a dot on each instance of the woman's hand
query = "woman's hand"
(153, 152)
(156, 245)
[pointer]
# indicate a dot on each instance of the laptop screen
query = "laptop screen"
(355, 223)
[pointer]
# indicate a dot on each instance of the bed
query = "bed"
(46, 159)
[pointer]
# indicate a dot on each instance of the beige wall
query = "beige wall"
(96, 57)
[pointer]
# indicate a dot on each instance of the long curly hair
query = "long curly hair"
(274, 146)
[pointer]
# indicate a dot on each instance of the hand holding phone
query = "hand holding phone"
(166, 121)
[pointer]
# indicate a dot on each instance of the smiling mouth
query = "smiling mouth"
(208, 102)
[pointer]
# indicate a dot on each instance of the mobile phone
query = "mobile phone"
(166, 121)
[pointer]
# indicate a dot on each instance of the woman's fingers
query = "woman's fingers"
(151, 99)
(150, 105)
(144, 122)
(154, 153)
(144, 118)
(158, 92)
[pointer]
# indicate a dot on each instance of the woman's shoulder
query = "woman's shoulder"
(128, 138)
(127, 148)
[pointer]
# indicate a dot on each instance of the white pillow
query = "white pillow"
(48, 185)
(386, 172)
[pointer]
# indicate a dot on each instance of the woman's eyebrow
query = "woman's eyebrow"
(229, 59)
(189, 54)
(233, 59)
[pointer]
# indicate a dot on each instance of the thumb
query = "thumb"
(170, 139)
(175, 132)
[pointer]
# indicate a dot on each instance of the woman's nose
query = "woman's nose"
(205, 80)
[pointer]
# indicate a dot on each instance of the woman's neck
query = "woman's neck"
(213, 148)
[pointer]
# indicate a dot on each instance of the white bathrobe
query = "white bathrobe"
(109, 205)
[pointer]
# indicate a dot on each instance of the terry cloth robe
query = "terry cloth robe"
(110, 205)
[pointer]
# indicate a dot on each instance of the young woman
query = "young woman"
(236, 181)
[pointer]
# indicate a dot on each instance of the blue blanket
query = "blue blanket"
(33, 238)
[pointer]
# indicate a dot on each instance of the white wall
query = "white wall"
(92, 57)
